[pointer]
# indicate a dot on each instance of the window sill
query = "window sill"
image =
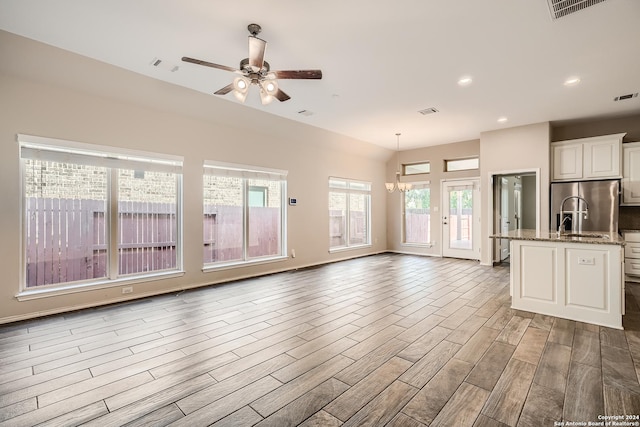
(232, 265)
(32, 294)
(348, 248)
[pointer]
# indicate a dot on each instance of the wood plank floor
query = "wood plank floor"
(389, 339)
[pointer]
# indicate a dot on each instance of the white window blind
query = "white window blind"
(38, 148)
(234, 170)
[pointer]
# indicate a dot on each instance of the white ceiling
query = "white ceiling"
(381, 61)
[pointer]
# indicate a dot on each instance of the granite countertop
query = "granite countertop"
(591, 237)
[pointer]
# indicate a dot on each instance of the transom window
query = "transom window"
(416, 168)
(461, 164)
(96, 214)
(349, 213)
(244, 214)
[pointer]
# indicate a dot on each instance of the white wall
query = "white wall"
(507, 151)
(436, 155)
(58, 101)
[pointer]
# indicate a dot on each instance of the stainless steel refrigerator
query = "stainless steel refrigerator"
(603, 198)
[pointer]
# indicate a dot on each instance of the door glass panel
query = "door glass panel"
(460, 217)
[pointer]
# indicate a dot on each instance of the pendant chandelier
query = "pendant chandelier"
(397, 185)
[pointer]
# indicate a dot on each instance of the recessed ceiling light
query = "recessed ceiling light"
(465, 81)
(502, 119)
(572, 81)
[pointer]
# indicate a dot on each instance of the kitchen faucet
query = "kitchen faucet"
(585, 212)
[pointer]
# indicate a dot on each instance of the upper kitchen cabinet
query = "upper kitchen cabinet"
(631, 174)
(598, 157)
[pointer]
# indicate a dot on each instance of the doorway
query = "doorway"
(460, 219)
(514, 208)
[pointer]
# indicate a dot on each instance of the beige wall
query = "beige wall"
(629, 217)
(529, 202)
(35, 106)
(588, 128)
(80, 99)
(505, 151)
(436, 155)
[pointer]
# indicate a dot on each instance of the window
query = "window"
(416, 213)
(416, 168)
(244, 214)
(349, 213)
(461, 164)
(93, 215)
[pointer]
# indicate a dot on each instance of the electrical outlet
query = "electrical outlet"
(127, 290)
(586, 261)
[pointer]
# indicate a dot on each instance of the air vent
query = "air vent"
(627, 96)
(560, 8)
(160, 63)
(426, 111)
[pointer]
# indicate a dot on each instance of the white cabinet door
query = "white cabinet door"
(567, 162)
(597, 157)
(535, 271)
(631, 174)
(576, 281)
(602, 159)
(588, 280)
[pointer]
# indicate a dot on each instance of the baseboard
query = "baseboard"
(414, 253)
(68, 309)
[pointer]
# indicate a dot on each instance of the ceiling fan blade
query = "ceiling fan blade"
(209, 64)
(225, 90)
(281, 96)
(297, 74)
(257, 48)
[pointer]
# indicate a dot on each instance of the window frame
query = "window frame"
(403, 207)
(359, 187)
(447, 162)
(114, 159)
(406, 165)
(246, 173)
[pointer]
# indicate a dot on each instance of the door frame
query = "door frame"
(474, 252)
(494, 244)
(509, 216)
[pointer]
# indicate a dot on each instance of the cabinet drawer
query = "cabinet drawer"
(632, 250)
(632, 267)
(630, 236)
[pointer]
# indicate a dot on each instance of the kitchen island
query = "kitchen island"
(572, 276)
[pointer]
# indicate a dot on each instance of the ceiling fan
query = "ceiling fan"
(254, 70)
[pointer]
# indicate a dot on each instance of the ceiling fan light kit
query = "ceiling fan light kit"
(254, 70)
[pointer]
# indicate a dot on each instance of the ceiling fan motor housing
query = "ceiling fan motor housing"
(254, 29)
(255, 70)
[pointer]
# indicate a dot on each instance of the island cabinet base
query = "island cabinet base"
(576, 281)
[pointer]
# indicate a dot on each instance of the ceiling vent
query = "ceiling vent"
(627, 96)
(560, 8)
(429, 110)
(165, 65)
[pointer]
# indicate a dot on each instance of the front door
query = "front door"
(460, 219)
